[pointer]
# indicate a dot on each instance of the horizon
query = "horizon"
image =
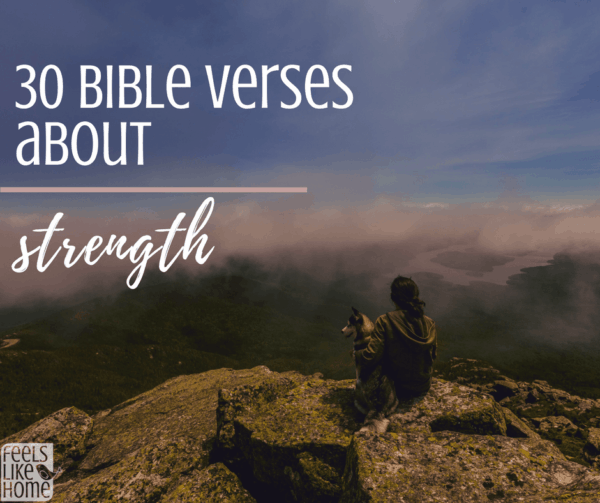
(469, 148)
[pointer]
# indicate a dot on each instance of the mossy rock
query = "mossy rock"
(151, 444)
(515, 427)
(448, 406)
(291, 438)
(214, 484)
(591, 450)
(314, 480)
(184, 406)
(141, 477)
(297, 442)
(234, 401)
(68, 429)
(449, 466)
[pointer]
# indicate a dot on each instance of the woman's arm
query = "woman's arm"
(373, 353)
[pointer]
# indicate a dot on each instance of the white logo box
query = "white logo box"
(27, 472)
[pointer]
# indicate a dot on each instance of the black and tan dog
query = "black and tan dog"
(375, 392)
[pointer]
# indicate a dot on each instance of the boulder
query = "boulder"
(182, 407)
(515, 427)
(68, 429)
(142, 476)
(213, 484)
(449, 466)
(559, 424)
(504, 389)
(533, 401)
(591, 450)
(256, 435)
(533, 396)
(297, 442)
(168, 472)
(155, 444)
(448, 406)
(235, 399)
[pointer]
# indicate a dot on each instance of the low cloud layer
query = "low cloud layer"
(512, 281)
(381, 236)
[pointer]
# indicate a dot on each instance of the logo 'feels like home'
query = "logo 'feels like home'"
(27, 472)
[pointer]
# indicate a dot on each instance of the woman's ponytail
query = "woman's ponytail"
(405, 294)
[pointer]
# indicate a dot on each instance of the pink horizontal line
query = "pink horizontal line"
(253, 190)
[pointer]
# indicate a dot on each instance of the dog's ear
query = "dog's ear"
(355, 311)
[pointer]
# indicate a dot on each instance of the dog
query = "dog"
(375, 391)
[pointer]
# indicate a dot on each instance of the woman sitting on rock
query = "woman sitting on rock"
(404, 342)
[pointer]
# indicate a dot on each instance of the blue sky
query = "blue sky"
(450, 98)
(483, 116)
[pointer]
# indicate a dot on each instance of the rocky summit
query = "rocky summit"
(261, 436)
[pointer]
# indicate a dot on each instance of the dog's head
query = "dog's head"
(354, 325)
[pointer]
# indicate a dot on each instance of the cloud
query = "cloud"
(360, 231)
(443, 86)
(24, 219)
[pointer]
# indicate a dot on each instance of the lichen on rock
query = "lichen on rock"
(552, 413)
(449, 466)
(145, 475)
(315, 418)
(591, 449)
(515, 427)
(181, 407)
(68, 429)
(145, 447)
(449, 406)
(284, 440)
(214, 483)
(232, 402)
(314, 480)
(255, 435)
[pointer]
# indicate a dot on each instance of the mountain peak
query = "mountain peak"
(254, 435)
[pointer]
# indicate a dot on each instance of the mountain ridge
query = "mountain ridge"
(248, 435)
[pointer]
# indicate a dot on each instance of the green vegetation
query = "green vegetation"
(103, 352)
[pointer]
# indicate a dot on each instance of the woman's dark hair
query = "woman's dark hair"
(405, 294)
